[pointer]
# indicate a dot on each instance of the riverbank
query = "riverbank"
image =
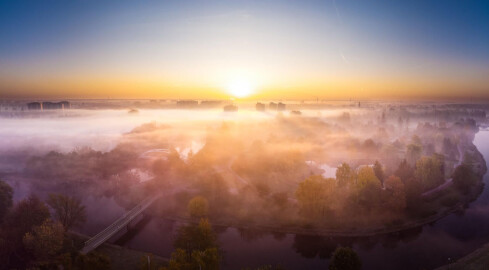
(477, 260)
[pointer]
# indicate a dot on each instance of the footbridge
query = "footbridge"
(119, 224)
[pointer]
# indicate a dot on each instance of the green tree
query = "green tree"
(45, 240)
(67, 210)
(428, 172)
(368, 188)
(344, 175)
(315, 195)
(464, 178)
(6, 193)
(345, 258)
(379, 171)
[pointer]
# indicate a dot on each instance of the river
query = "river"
(427, 247)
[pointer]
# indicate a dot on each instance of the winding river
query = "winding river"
(426, 247)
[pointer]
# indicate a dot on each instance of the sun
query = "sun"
(240, 88)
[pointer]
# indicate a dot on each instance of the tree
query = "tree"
(26, 214)
(464, 178)
(428, 172)
(315, 195)
(368, 188)
(195, 248)
(6, 193)
(413, 153)
(379, 171)
(345, 258)
(198, 207)
(404, 171)
(196, 237)
(67, 210)
(344, 175)
(414, 190)
(395, 193)
(45, 240)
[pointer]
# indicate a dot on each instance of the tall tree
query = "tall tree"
(198, 207)
(428, 172)
(404, 171)
(379, 171)
(368, 188)
(195, 248)
(67, 210)
(344, 175)
(414, 152)
(6, 193)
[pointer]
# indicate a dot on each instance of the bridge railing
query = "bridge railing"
(127, 216)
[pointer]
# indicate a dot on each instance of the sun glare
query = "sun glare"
(240, 88)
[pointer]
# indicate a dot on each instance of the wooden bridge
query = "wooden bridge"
(118, 225)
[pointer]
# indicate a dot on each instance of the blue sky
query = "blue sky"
(201, 44)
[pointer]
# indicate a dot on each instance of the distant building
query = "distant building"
(260, 107)
(49, 105)
(272, 106)
(187, 103)
(34, 106)
(230, 108)
(280, 106)
(210, 103)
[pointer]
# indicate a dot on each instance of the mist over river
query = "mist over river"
(427, 247)
(453, 236)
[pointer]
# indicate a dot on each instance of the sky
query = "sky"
(330, 49)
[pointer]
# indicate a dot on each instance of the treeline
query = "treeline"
(32, 238)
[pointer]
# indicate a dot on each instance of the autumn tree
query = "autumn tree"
(344, 175)
(45, 240)
(195, 248)
(27, 214)
(345, 258)
(67, 210)
(428, 172)
(368, 188)
(198, 207)
(315, 195)
(395, 193)
(6, 193)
